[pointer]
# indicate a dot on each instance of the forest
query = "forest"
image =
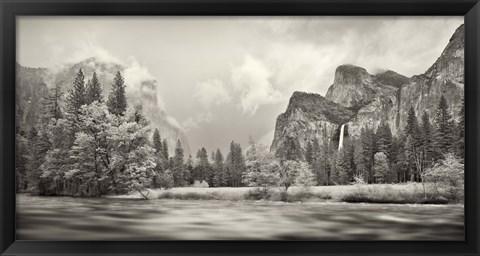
(87, 146)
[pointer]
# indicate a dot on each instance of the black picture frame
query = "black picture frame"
(9, 9)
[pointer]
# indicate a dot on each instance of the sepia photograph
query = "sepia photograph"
(240, 128)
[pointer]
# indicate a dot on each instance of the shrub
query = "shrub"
(198, 184)
(257, 194)
(447, 178)
(387, 195)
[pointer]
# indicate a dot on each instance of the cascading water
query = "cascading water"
(340, 142)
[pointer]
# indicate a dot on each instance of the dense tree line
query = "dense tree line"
(379, 157)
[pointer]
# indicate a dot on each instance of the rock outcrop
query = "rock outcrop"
(371, 99)
(309, 116)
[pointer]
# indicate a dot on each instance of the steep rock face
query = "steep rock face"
(445, 77)
(143, 91)
(308, 116)
(372, 99)
(423, 92)
(354, 87)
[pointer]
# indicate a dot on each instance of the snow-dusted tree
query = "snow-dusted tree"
(57, 157)
(448, 174)
(133, 159)
(91, 151)
(289, 172)
(304, 176)
(262, 170)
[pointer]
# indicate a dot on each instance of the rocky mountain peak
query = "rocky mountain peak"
(450, 64)
(350, 75)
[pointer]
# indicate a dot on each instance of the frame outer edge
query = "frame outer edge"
(7, 127)
(472, 124)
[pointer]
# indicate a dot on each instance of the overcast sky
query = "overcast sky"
(228, 78)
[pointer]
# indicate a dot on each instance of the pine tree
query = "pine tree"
(413, 143)
(235, 164)
(94, 90)
(178, 166)
(427, 140)
(202, 167)
(117, 100)
(165, 149)
(157, 141)
(220, 178)
(77, 96)
(444, 133)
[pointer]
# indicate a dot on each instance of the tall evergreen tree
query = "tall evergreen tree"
(444, 133)
(235, 164)
(427, 140)
(94, 90)
(77, 96)
(202, 167)
(157, 141)
(165, 148)
(178, 166)
(220, 178)
(117, 100)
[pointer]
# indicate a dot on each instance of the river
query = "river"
(65, 218)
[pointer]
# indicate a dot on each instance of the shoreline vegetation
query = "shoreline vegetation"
(407, 193)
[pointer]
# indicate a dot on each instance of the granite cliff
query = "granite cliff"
(358, 99)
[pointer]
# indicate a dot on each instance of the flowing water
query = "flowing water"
(340, 140)
(64, 218)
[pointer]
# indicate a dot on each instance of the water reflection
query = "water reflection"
(63, 218)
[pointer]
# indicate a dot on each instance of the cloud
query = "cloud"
(267, 138)
(91, 48)
(252, 81)
(211, 92)
(194, 122)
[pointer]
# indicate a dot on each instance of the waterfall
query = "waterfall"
(340, 141)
